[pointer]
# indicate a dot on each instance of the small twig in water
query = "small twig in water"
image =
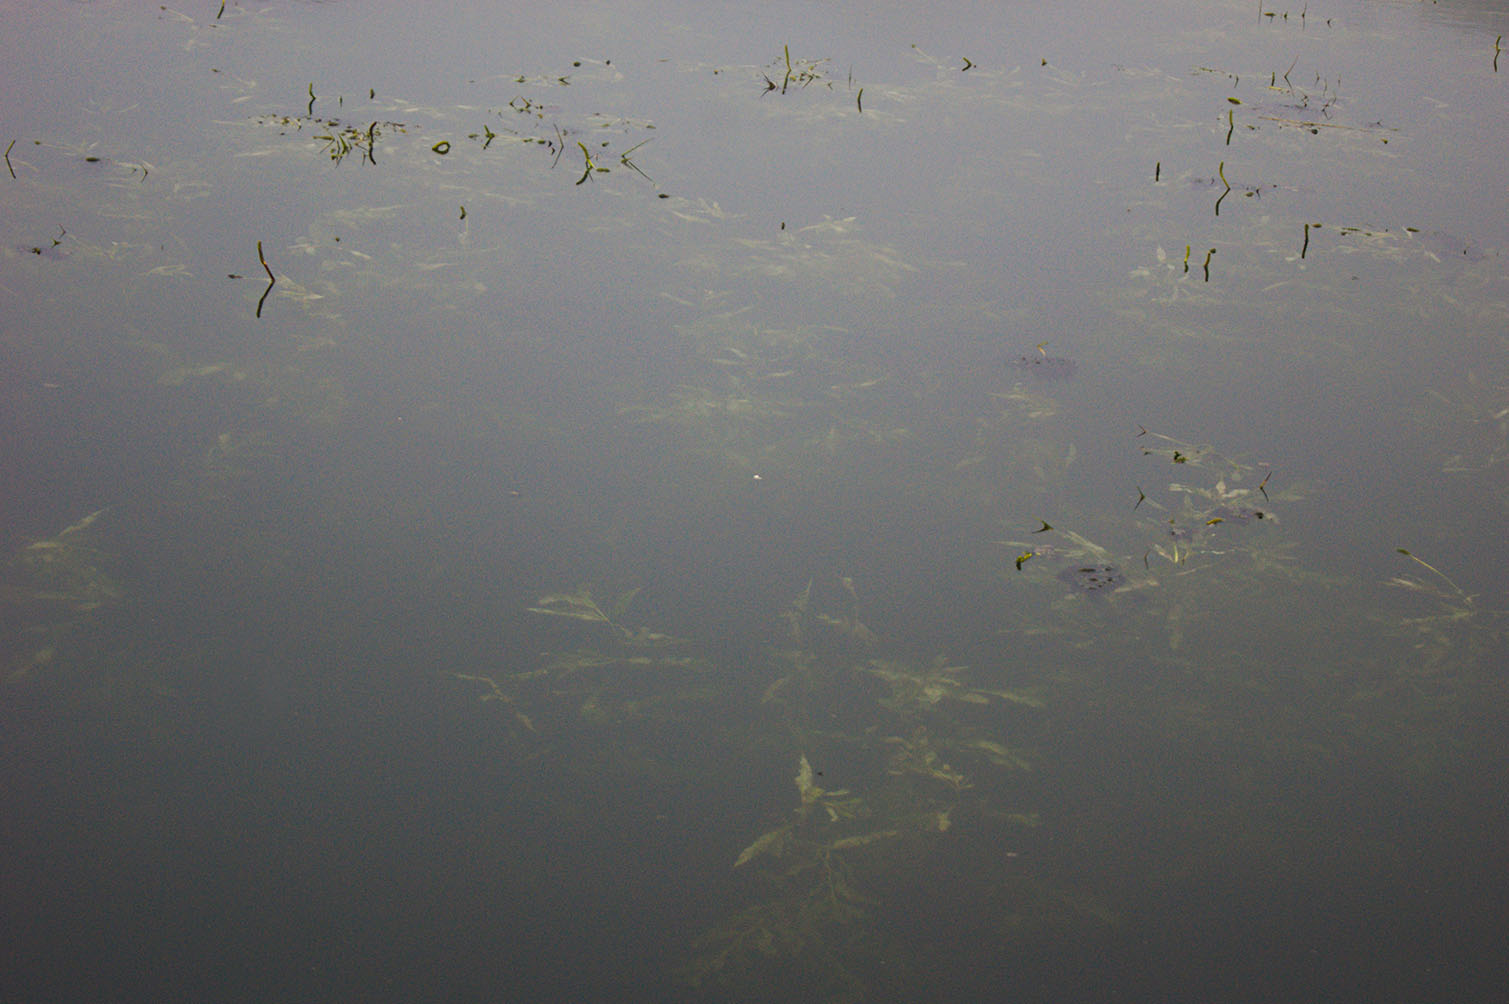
(623, 159)
(272, 280)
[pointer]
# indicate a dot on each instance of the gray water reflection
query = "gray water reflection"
(979, 502)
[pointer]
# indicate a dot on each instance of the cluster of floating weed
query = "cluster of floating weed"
(82, 151)
(559, 138)
(802, 73)
(1309, 110)
(340, 139)
(1191, 527)
(1272, 16)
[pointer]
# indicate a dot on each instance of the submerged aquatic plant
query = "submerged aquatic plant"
(1477, 415)
(581, 606)
(1455, 605)
(68, 568)
(913, 688)
(811, 921)
(494, 691)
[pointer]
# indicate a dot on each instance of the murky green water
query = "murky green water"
(805, 504)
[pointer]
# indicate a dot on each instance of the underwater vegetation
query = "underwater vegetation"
(929, 747)
(69, 569)
(810, 551)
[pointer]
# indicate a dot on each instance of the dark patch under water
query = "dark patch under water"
(1094, 578)
(1051, 367)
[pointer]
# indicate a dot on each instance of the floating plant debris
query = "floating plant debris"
(1236, 514)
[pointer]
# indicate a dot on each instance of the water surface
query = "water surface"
(626, 555)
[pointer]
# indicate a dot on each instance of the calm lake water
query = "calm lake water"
(803, 503)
